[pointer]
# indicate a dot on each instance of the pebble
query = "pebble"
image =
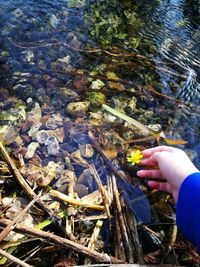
(52, 146)
(32, 147)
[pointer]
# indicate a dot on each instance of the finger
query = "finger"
(165, 187)
(155, 174)
(149, 152)
(148, 162)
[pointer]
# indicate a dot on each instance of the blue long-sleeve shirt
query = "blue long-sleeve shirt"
(188, 208)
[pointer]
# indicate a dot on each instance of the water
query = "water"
(35, 34)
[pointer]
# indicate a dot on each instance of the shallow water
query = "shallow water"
(35, 34)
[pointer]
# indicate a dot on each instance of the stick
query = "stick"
(62, 242)
(11, 226)
(94, 238)
(16, 172)
(106, 160)
(73, 201)
(31, 194)
(14, 259)
(104, 193)
(128, 253)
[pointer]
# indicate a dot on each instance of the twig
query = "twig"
(107, 161)
(16, 172)
(11, 226)
(127, 247)
(62, 242)
(73, 201)
(104, 193)
(94, 238)
(14, 259)
(31, 194)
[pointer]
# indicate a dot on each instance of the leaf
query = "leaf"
(144, 129)
(174, 142)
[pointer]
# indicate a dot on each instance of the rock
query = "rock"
(53, 21)
(28, 56)
(58, 133)
(66, 177)
(96, 98)
(36, 160)
(68, 94)
(54, 122)
(77, 155)
(26, 138)
(32, 147)
(80, 82)
(81, 190)
(26, 126)
(86, 150)
(77, 109)
(97, 85)
(35, 114)
(52, 146)
(86, 178)
(34, 129)
(41, 136)
(116, 86)
(65, 60)
(9, 133)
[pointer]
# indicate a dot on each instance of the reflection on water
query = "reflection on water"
(35, 34)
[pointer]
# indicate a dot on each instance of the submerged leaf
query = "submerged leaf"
(144, 129)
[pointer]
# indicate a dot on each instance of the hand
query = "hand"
(168, 163)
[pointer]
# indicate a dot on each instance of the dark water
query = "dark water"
(34, 34)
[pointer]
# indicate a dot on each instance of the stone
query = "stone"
(77, 109)
(35, 114)
(52, 146)
(41, 136)
(54, 122)
(86, 150)
(34, 129)
(58, 133)
(97, 85)
(31, 149)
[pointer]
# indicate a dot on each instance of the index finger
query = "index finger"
(150, 151)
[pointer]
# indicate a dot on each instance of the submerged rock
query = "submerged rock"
(77, 109)
(35, 114)
(54, 122)
(97, 85)
(31, 149)
(58, 133)
(86, 150)
(41, 136)
(52, 146)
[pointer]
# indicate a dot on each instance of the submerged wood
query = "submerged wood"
(28, 190)
(14, 259)
(16, 172)
(62, 242)
(73, 201)
(127, 245)
(11, 226)
(104, 193)
(107, 161)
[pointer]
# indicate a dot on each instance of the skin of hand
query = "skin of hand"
(169, 164)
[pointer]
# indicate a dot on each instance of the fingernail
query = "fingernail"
(138, 173)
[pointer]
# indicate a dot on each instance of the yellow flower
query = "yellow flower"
(135, 157)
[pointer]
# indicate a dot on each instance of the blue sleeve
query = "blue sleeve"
(188, 208)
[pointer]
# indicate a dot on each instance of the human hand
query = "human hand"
(168, 163)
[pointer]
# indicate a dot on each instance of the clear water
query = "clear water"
(169, 35)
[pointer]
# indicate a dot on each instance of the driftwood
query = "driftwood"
(62, 242)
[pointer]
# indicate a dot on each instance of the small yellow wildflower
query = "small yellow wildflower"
(135, 157)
